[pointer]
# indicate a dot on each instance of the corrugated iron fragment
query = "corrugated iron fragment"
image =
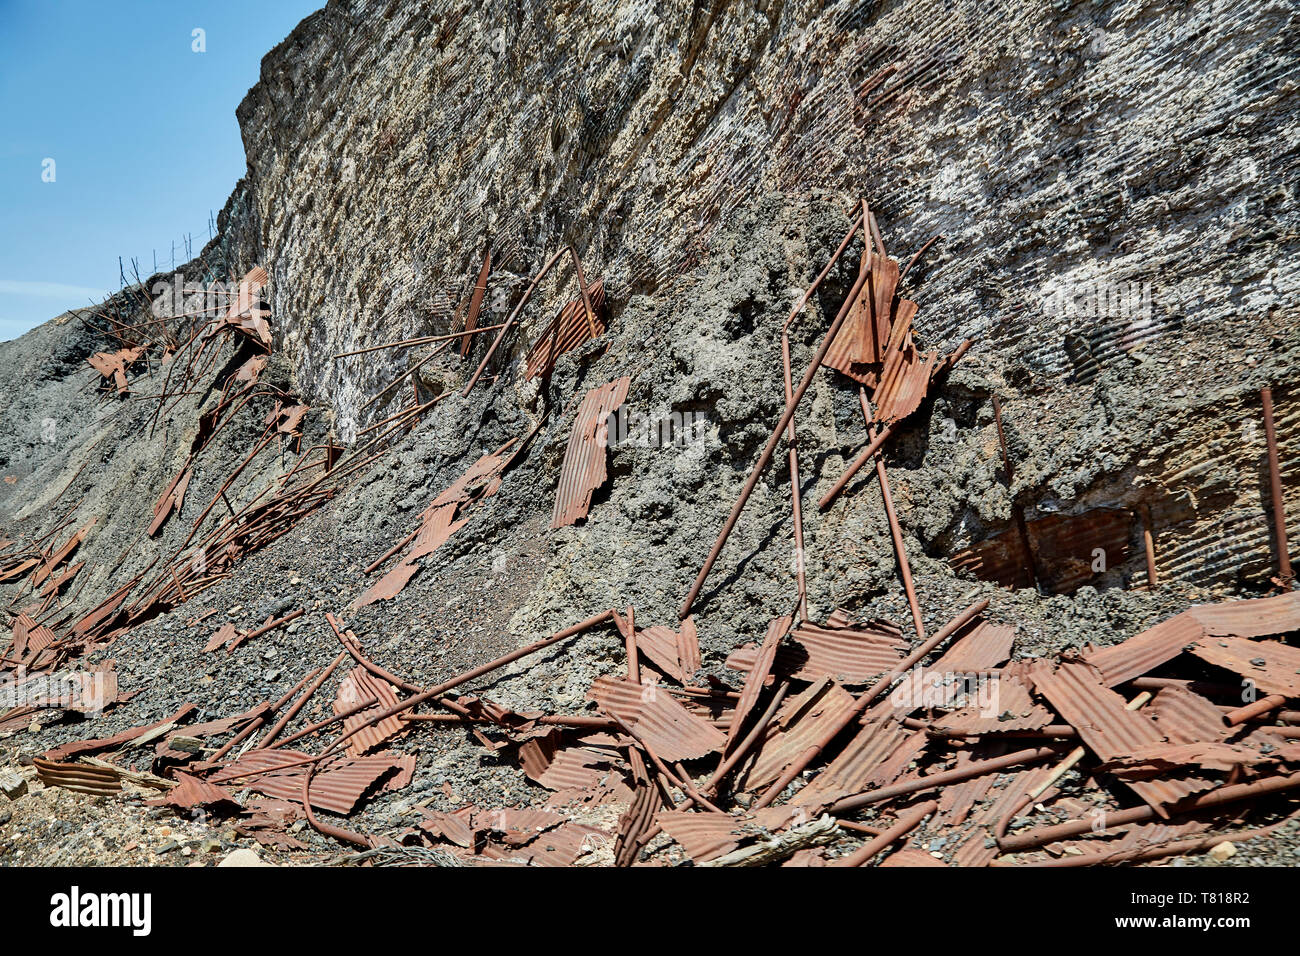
(79, 777)
(583, 470)
(573, 331)
(851, 655)
(1272, 666)
(707, 836)
(357, 686)
(1013, 709)
(338, 786)
(676, 653)
(1260, 617)
(875, 757)
(757, 678)
(799, 723)
(438, 522)
(1107, 727)
(191, 792)
(1063, 547)
(653, 715)
(170, 500)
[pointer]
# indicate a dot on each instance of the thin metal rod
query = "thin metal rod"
(423, 340)
(796, 503)
(800, 763)
(895, 530)
(908, 821)
(1149, 546)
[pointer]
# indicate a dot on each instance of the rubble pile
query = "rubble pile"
(847, 741)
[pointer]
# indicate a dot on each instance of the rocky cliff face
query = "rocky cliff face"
(1114, 188)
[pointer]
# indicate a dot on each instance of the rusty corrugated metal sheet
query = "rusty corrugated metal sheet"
(1166, 758)
(707, 836)
(29, 637)
(1016, 710)
(83, 778)
(62, 554)
(242, 315)
(358, 685)
(976, 846)
(1144, 652)
(1184, 716)
(1261, 617)
(755, 680)
(1105, 725)
(799, 723)
(876, 755)
(171, 499)
(905, 377)
(859, 347)
(53, 585)
(226, 632)
(583, 470)
(191, 792)
(338, 787)
(78, 747)
(983, 648)
(437, 522)
(652, 715)
(1273, 666)
(851, 655)
(676, 653)
(574, 331)
(957, 800)
(1063, 547)
(571, 768)
(911, 857)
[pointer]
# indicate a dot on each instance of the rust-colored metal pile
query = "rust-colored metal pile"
(836, 742)
(962, 754)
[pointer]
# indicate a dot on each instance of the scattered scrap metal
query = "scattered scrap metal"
(840, 742)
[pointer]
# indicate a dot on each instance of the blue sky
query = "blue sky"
(141, 129)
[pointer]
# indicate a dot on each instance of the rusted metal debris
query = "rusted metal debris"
(589, 312)
(113, 365)
(675, 653)
(583, 470)
(444, 516)
(566, 332)
(870, 339)
(476, 301)
(1055, 553)
(653, 716)
(1261, 617)
(955, 777)
(848, 654)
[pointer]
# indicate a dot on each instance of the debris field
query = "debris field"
(836, 742)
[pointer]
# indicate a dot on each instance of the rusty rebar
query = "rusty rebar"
(1149, 546)
(895, 530)
(795, 498)
(800, 763)
(976, 768)
(908, 821)
(863, 457)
